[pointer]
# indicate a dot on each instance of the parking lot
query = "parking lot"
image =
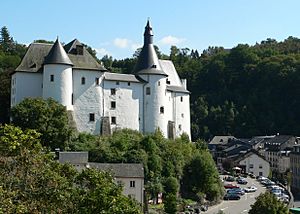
(242, 205)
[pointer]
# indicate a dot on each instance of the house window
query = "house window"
(113, 91)
(132, 184)
(51, 78)
(179, 127)
(182, 115)
(168, 81)
(79, 49)
(162, 110)
(148, 91)
(97, 81)
(260, 173)
(92, 117)
(82, 80)
(158, 83)
(113, 104)
(181, 99)
(120, 183)
(72, 99)
(113, 120)
(117, 83)
(128, 83)
(251, 166)
(260, 166)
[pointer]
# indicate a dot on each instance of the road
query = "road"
(239, 206)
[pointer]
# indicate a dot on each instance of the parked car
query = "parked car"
(230, 186)
(242, 181)
(250, 189)
(233, 196)
(238, 191)
(229, 178)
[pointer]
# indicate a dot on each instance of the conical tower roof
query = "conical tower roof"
(148, 61)
(57, 55)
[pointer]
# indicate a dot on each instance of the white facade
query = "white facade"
(153, 98)
(256, 165)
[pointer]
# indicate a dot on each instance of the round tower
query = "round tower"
(154, 98)
(57, 76)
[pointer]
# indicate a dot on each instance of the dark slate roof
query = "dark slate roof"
(57, 55)
(121, 169)
(34, 58)
(148, 61)
(279, 139)
(248, 154)
(121, 77)
(221, 139)
(73, 157)
(177, 89)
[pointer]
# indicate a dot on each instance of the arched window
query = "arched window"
(82, 80)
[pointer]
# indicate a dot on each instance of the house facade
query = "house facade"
(152, 97)
(295, 169)
(254, 163)
(129, 176)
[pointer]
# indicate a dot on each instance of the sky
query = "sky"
(116, 27)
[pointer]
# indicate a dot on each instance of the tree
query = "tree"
(32, 182)
(267, 203)
(48, 117)
(6, 41)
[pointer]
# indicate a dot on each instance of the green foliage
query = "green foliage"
(47, 117)
(32, 182)
(170, 203)
(267, 203)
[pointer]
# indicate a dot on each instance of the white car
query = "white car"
(250, 189)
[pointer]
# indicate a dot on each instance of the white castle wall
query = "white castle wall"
(182, 113)
(61, 88)
(88, 99)
(25, 85)
(128, 97)
(153, 119)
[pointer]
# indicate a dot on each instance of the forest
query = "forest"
(244, 91)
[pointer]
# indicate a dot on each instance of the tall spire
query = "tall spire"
(148, 35)
(57, 55)
(148, 62)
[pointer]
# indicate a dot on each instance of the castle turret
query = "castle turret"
(149, 69)
(57, 76)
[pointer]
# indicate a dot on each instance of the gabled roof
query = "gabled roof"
(35, 55)
(148, 61)
(131, 170)
(221, 139)
(248, 154)
(177, 89)
(57, 55)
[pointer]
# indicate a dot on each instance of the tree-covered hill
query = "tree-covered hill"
(243, 91)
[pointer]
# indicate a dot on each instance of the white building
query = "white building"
(100, 102)
(254, 163)
(129, 175)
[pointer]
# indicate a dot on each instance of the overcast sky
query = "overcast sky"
(116, 27)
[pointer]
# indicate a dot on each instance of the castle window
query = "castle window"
(113, 120)
(179, 127)
(181, 99)
(168, 82)
(128, 83)
(82, 80)
(51, 78)
(79, 49)
(97, 81)
(132, 184)
(92, 117)
(162, 110)
(148, 91)
(113, 91)
(182, 115)
(113, 104)
(158, 83)
(72, 99)
(117, 83)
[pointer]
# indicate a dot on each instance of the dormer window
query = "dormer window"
(79, 49)
(154, 66)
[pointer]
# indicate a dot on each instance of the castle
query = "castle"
(152, 97)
